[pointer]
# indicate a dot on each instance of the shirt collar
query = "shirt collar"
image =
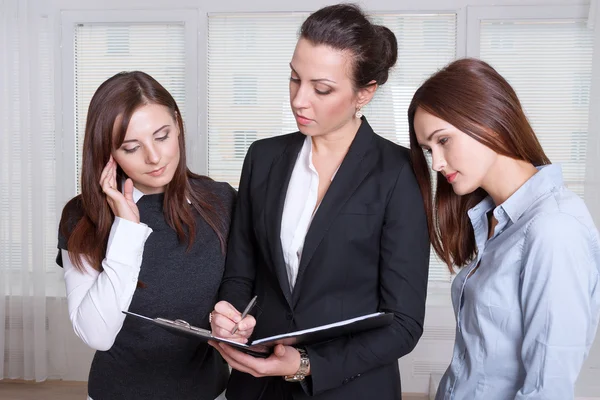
(137, 195)
(306, 154)
(544, 181)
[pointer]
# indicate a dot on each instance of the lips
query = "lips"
(451, 177)
(157, 172)
(302, 120)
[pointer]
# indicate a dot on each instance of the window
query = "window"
(243, 140)
(248, 95)
(549, 64)
(103, 49)
(245, 90)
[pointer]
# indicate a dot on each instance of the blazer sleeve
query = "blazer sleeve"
(240, 270)
(403, 271)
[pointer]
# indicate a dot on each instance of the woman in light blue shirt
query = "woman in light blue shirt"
(527, 298)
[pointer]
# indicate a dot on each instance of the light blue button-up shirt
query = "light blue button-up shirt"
(527, 317)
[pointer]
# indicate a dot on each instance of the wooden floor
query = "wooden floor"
(59, 390)
(54, 390)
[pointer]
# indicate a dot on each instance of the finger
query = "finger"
(222, 327)
(228, 310)
(106, 175)
(104, 172)
(225, 334)
(244, 333)
(113, 180)
(109, 190)
(279, 350)
(242, 360)
(234, 364)
(248, 323)
(128, 189)
(222, 322)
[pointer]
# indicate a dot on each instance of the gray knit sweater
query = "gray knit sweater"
(147, 362)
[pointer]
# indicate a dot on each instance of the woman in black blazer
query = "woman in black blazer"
(329, 225)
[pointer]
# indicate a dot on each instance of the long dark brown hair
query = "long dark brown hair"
(474, 98)
(119, 97)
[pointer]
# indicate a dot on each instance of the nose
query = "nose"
(299, 95)
(152, 155)
(438, 163)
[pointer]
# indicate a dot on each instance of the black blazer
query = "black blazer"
(366, 250)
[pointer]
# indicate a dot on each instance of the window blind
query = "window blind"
(549, 64)
(248, 72)
(104, 49)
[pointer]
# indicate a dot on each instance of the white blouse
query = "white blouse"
(299, 209)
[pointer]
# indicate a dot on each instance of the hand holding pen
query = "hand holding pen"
(245, 313)
(228, 323)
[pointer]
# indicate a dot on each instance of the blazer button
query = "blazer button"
(289, 316)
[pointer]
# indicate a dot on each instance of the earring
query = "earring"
(358, 114)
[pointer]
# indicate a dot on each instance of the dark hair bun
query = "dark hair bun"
(346, 27)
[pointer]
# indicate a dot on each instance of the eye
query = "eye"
(133, 150)
(322, 93)
(443, 141)
(163, 138)
(294, 80)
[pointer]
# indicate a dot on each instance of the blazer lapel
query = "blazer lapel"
(279, 178)
(354, 169)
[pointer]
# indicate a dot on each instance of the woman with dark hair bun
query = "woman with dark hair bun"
(527, 297)
(329, 225)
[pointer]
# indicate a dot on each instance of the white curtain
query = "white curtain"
(32, 314)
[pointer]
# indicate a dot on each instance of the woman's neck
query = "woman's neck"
(336, 142)
(506, 177)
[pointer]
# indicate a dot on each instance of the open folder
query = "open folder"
(264, 347)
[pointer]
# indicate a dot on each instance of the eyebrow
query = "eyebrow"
(434, 132)
(155, 132)
(314, 80)
(431, 136)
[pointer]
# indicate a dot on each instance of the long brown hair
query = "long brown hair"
(119, 97)
(474, 98)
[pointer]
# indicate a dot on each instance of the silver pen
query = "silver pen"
(246, 311)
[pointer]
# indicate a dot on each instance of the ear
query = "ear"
(365, 94)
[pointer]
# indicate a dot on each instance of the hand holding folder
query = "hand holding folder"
(264, 347)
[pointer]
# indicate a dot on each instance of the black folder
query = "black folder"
(264, 347)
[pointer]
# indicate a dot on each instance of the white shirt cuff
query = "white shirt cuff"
(126, 241)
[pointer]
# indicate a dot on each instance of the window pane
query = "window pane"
(102, 50)
(549, 64)
(248, 72)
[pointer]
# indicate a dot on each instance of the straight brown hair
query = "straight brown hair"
(119, 97)
(474, 98)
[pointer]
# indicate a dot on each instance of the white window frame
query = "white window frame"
(65, 138)
(476, 14)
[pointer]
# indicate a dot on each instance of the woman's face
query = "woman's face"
(322, 95)
(462, 160)
(149, 154)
